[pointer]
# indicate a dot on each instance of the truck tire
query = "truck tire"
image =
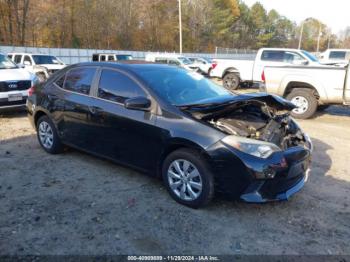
(305, 101)
(231, 81)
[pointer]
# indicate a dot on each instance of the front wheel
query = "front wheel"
(187, 178)
(305, 101)
(231, 81)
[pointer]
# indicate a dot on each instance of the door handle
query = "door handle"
(95, 110)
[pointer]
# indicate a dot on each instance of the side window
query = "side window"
(79, 80)
(10, 56)
(337, 55)
(27, 59)
(18, 59)
(111, 58)
(60, 81)
(273, 56)
(117, 87)
(290, 57)
(174, 62)
(102, 58)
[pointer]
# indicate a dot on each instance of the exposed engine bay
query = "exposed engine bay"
(256, 120)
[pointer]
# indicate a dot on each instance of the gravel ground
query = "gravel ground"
(74, 203)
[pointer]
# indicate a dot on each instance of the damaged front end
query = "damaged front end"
(259, 117)
(272, 148)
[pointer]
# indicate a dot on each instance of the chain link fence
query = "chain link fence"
(72, 56)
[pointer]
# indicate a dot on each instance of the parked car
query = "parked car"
(177, 125)
(308, 88)
(15, 83)
(40, 64)
(173, 60)
(233, 72)
(204, 64)
(335, 56)
(110, 57)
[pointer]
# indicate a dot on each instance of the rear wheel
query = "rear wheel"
(231, 81)
(187, 178)
(47, 136)
(305, 101)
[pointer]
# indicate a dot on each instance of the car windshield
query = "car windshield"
(124, 57)
(185, 60)
(310, 56)
(180, 87)
(6, 63)
(46, 59)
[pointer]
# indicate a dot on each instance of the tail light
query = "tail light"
(31, 91)
(213, 65)
(263, 76)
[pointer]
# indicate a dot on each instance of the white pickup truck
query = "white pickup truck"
(234, 72)
(308, 88)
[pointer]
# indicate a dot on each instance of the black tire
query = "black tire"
(57, 146)
(206, 177)
(231, 81)
(309, 109)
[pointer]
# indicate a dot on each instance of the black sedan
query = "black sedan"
(176, 125)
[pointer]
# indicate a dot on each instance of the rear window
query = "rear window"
(95, 57)
(273, 56)
(79, 80)
(337, 55)
(124, 57)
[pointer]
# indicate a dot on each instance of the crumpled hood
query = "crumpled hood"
(15, 74)
(221, 103)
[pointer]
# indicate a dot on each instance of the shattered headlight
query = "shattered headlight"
(250, 146)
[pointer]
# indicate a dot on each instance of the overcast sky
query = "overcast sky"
(334, 13)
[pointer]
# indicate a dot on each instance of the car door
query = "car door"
(124, 135)
(268, 58)
(75, 102)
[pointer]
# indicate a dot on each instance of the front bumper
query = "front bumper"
(285, 183)
(254, 195)
(236, 173)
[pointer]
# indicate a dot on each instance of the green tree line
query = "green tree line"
(153, 25)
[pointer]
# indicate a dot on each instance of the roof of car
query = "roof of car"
(130, 65)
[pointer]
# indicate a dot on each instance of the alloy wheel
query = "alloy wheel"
(184, 179)
(45, 135)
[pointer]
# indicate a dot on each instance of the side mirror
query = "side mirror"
(138, 103)
(27, 63)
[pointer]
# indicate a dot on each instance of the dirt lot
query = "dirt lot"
(77, 204)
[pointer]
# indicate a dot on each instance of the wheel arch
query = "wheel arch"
(39, 114)
(231, 70)
(300, 85)
(176, 144)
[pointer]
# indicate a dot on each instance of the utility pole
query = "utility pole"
(301, 31)
(180, 26)
(319, 37)
(301, 34)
